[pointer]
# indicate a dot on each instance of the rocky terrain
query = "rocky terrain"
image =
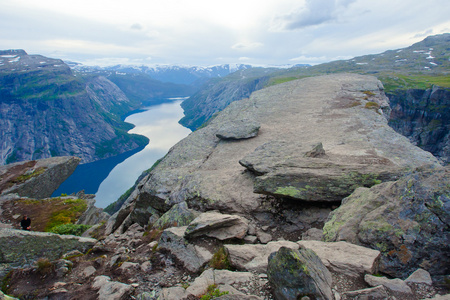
(415, 80)
(301, 191)
(46, 111)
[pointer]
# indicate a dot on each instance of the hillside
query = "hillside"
(46, 110)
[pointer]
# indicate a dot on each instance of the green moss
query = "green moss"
(331, 228)
(212, 292)
(220, 260)
(24, 177)
(7, 281)
(372, 105)
(294, 192)
(369, 93)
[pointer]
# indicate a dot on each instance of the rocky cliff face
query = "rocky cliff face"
(318, 140)
(424, 117)
(46, 111)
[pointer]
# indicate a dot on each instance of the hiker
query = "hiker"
(25, 223)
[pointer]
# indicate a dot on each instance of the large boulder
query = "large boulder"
(319, 139)
(294, 274)
(217, 225)
(20, 248)
(345, 258)
(36, 178)
(254, 257)
(408, 220)
(191, 256)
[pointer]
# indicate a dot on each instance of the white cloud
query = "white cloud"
(204, 32)
(313, 12)
(246, 45)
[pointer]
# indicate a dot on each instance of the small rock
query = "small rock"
(89, 271)
(250, 239)
(111, 290)
(263, 237)
(146, 266)
(153, 244)
(375, 293)
(312, 234)
(420, 276)
(217, 225)
(316, 151)
(129, 267)
(394, 285)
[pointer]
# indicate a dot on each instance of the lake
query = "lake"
(108, 179)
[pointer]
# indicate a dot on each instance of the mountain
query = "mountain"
(216, 94)
(184, 75)
(46, 110)
(423, 66)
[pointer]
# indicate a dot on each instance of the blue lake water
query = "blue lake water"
(108, 179)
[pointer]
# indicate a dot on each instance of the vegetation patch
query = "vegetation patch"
(24, 177)
(372, 105)
(47, 213)
(73, 229)
(220, 260)
(44, 266)
(212, 292)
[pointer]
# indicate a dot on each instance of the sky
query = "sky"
(212, 32)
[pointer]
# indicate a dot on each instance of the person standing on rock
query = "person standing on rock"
(25, 223)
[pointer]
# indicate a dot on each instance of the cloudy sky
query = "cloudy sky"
(208, 32)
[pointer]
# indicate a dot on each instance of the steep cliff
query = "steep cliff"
(317, 140)
(215, 95)
(424, 117)
(46, 111)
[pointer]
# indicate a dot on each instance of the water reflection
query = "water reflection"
(160, 124)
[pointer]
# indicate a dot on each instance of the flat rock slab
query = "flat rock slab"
(217, 225)
(394, 285)
(375, 293)
(360, 149)
(21, 247)
(345, 258)
(255, 257)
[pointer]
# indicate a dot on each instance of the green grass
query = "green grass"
(70, 210)
(73, 229)
(394, 81)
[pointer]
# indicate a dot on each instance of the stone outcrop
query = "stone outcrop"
(19, 248)
(345, 258)
(37, 178)
(345, 112)
(407, 220)
(294, 274)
